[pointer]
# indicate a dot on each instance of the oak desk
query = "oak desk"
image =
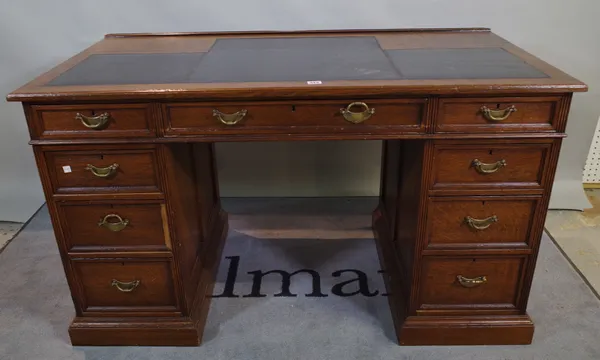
(123, 137)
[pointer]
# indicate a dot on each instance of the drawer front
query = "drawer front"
(471, 283)
(489, 165)
(114, 227)
(472, 222)
(497, 114)
(125, 285)
(103, 171)
(93, 121)
(295, 117)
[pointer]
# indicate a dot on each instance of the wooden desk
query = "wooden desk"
(123, 136)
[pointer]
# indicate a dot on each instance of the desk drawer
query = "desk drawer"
(472, 222)
(122, 226)
(126, 285)
(497, 114)
(489, 165)
(456, 283)
(124, 170)
(296, 117)
(93, 121)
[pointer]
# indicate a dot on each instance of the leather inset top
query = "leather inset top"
(297, 59)
(479, 63)
(121, 69)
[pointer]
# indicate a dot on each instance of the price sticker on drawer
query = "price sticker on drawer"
(314, 82)
(66, 169)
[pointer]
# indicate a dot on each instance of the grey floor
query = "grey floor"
(285, 234)
(577, 233)
(8, 230)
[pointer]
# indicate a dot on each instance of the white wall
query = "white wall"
(38, 34)
(591, 174)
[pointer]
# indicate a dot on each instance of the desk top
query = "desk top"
(297, 64)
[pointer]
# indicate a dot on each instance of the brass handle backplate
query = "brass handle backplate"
(357, 117)
(115, 226)
(93, 122)
(497, 115)
(125, 286)
(230, 119)
(103, 172)
(471, 282)
(485, 168)
(480, 224)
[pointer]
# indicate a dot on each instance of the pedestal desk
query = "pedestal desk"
(471, 125)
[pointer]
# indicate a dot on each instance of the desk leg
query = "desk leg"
(200, 226)
(395, 221)
(400, 227)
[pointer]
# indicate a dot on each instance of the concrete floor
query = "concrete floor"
(577, 234)
(8, 230)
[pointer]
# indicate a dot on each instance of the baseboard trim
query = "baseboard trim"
(467, 330)
(137, 332)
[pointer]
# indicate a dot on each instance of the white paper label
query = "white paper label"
(314, 82)
(66, 169)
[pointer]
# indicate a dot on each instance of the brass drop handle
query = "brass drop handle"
(108, 222)
(471, 282)
(357, 117)
(230, 119)
(93, 122)
(497, 115)
(125, 286)
(480, 224)
(485, 168)
(103, 172)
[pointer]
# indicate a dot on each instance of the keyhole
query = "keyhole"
(474, 260)
(293, 108)
(483, 203)
(491, 152)
(497, 106)
(93, 113)
(122, 264)
(101, 157)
